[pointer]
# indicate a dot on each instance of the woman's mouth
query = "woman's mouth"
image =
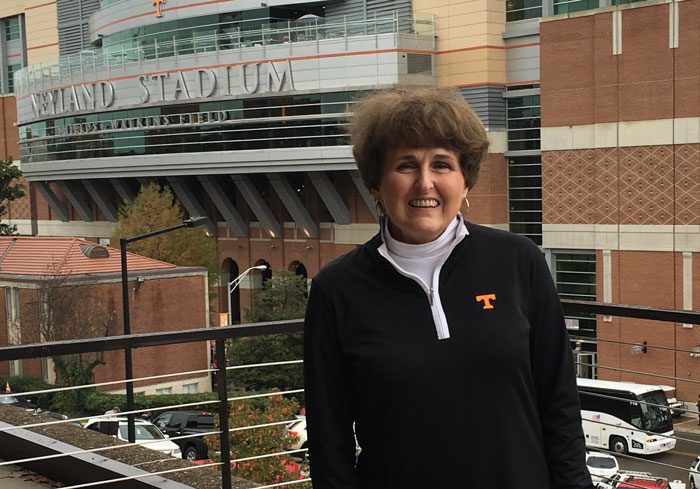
(423, 203)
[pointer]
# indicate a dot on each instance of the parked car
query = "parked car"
(179, 423)
(602, 466)
(628, 479)
(297, 429)
(694, 474)
(146, 433)
(677, 407)
(21, 402)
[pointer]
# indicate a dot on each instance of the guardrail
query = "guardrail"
(40, 75)
(221, 334)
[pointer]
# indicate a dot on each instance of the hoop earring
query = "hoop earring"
(379, 209)
(466, 201)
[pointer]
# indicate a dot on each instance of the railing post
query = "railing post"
(224, 437)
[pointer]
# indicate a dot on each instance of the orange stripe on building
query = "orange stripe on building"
(480, 84)
(152, 12)
(525, 82)
(42, 46)
(471, 48)
(525, 45)
(487, 46)
(39, 5)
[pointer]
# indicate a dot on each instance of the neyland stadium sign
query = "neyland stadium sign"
(165, 87)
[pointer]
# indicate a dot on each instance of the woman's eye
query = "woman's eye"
(442, 165)
(406, 165)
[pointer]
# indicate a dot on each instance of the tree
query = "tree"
(68, 310)
(155, 208)
(10, 190)
(284, 296)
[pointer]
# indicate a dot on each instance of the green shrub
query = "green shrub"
(30, 384)
(98, 402)
(260, 441)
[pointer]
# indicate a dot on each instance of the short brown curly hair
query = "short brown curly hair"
(416, 118)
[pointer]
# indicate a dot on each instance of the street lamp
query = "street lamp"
(128, 371)
(235, 283)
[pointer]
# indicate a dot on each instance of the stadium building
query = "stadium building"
(592, 108)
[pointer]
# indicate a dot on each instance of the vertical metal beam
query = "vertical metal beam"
(224, 436)
(72, 192)
(257, 204)
(190, 202)
(128, 365)
(101, 199)
(330, 196)
(233, 219)
(366, 195)
(50, 196)
(293, 204)
(123, 190)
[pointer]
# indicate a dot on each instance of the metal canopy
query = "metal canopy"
(366, 195)
(123, 190)
(293, 204)
(185, 195)
(330, 196)
(257, 205)
(101, 199)
(231, 215)
(50, 196)
(71, 190)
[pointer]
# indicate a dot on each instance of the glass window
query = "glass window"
(14, 333)
(11, 28)
(164, 390)
(575, 277)
(190, 388)
(523, 9)
(566, 6)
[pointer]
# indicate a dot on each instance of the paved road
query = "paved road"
(687, 448)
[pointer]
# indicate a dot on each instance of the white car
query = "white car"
(297, 429)
(694, 474)
(147, 434)
(602, 466)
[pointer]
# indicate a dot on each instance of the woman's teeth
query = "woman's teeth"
(423, 203)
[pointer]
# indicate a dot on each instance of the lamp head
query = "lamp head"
(195, 221)
(260, 267)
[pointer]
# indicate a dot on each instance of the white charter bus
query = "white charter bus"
(625, 417)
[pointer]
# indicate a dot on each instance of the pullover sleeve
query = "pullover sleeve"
(328, 402)
(555, 383)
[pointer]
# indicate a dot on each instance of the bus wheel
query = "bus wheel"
(618, 445)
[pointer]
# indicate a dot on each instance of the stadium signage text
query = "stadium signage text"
(165, 87)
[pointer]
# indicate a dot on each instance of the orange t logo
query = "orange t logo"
(156, 4)
(487, 298)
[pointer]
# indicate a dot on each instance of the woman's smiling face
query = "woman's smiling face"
(422, 190)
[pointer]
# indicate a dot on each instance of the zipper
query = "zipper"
(430, 296)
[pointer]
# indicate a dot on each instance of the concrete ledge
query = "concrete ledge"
(74, 469)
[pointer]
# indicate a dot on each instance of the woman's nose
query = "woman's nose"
(424, 179)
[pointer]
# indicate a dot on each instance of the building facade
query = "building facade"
(61, 288)
(240, 107)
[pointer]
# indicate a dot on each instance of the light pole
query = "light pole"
(235, 283)
(128, 371)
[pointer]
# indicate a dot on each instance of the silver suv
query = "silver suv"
(694, 474)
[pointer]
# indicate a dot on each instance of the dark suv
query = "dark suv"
(179, 423)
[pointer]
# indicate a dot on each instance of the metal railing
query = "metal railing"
(222, 334)
(95, 62)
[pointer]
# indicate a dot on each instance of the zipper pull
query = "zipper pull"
(430, 296)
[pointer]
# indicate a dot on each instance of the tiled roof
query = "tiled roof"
(42, 256)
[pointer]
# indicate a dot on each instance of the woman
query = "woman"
(442, 343)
